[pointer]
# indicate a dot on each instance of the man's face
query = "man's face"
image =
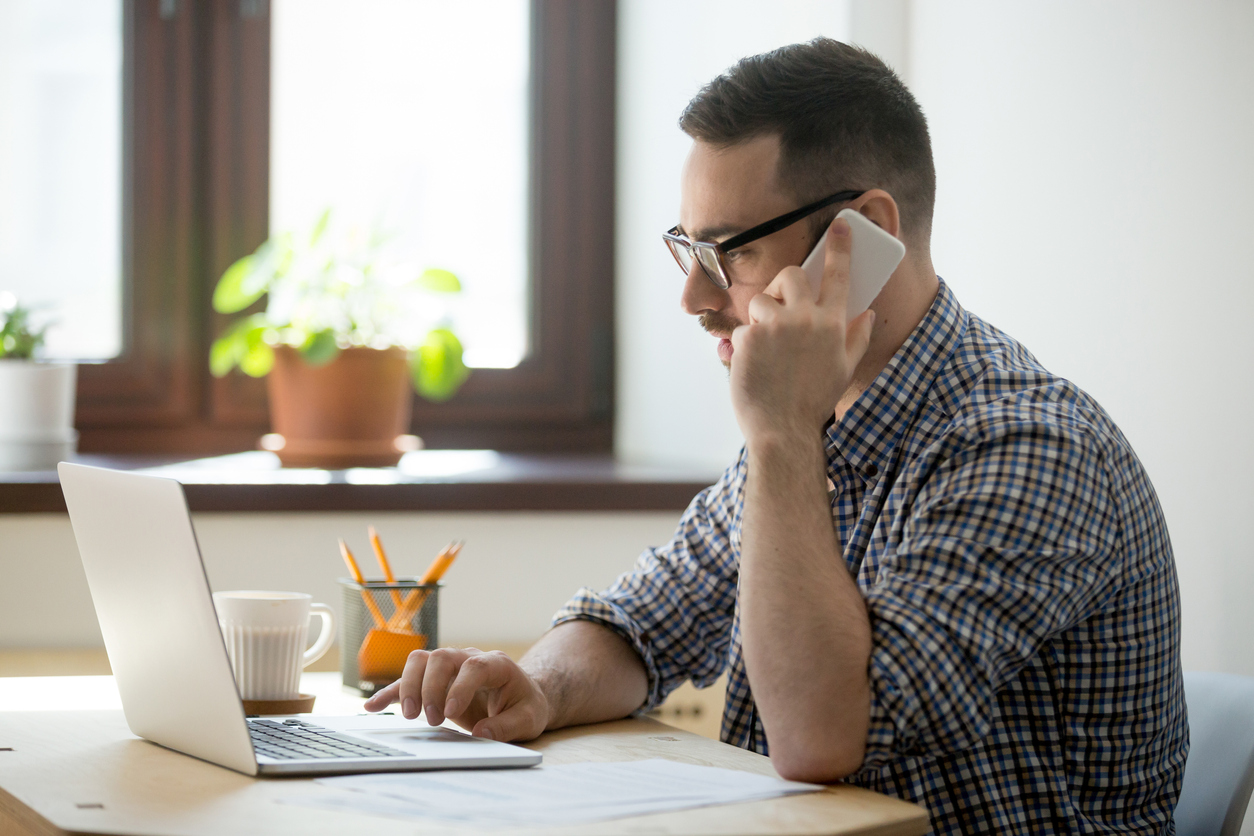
(724, 191)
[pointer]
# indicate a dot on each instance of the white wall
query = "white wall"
(672, 399)
(513, 574)
(1095, 170)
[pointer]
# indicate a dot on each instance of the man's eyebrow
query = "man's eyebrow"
(710, 233)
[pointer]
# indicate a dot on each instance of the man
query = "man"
(955, 586)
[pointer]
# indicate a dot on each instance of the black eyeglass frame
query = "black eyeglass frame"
(675, 240)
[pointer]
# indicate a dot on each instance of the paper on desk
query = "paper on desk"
(546, 795)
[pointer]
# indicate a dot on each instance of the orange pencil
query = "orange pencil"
(377, 545)
(414, 600)
(366, 597)
(441, 563)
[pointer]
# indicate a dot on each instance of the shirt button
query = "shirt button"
(869, 469)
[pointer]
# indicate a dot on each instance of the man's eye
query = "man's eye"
(734, 255)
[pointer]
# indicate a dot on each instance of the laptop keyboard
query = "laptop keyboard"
(298, 740)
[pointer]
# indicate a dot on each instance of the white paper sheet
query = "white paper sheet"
(545, 795)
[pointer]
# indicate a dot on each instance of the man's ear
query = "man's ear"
(879, 207)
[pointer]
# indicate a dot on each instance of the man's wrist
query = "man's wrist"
(549, 687)
(797, 448)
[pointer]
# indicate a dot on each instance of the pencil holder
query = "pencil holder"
(382, 623)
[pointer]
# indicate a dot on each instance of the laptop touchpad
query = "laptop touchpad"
(422, 741)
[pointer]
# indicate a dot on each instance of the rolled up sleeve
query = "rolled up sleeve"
(677, 605)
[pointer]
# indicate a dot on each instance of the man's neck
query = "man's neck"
(899, 309)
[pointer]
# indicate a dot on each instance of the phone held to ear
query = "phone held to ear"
(873, 256)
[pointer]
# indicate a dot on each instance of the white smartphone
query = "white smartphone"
(873, 256)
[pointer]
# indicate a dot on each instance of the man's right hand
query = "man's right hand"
(486, 693)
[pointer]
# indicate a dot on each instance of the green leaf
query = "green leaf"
(258, 359)
(236, 343)
(225, 352)
(239, 287)
(280, 255)
(320, 227)
(320, 348)
(439, 281)
(437, 366)
(18, 338)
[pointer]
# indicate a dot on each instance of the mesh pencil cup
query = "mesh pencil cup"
(382, 623)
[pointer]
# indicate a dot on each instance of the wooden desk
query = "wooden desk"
(84, 772)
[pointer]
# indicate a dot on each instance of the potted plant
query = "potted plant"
(343, 336)
(36, 398)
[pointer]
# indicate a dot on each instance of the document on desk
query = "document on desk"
(545, 795)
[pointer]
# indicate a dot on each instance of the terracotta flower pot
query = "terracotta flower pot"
(349, 412)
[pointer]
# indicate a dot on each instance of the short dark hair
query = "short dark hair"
(843, 118)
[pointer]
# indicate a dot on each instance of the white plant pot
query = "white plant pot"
(36, 414)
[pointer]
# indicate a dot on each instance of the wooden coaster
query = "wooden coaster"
(300, 705)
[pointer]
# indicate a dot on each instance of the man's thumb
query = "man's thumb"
(519, 722)
(858, 336)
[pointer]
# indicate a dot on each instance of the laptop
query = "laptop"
(169, 659)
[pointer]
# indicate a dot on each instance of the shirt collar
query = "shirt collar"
(870, 429)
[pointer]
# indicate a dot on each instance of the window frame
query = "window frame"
(196, 98)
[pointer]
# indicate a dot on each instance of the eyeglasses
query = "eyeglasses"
(710, 255)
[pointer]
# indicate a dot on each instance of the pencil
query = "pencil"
(441, 563)
(415, 600)
(377, 545)
(366, 597)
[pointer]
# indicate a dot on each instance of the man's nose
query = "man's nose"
(700, 294)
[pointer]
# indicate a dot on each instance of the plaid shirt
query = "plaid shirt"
(1025, 663)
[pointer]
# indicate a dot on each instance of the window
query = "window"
(196, 180)
(60, 172)
(409, 117)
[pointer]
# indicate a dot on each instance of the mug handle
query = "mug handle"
(323, 644)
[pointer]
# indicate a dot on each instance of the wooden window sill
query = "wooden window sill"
(431, 480)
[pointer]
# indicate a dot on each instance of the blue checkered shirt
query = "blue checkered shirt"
(1025, 664)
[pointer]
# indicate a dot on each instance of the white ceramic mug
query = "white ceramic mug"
(265, 635)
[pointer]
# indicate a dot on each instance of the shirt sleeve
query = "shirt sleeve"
(677, 605)
(1012, 538)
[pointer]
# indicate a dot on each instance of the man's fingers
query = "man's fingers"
(858, 336)
(410, 691)
(790, 285)
(384, 697)
(442, 666)
(520, 721)
(486, 670)
(763, 308)
(835, 287)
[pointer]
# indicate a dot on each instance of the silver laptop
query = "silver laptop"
(160, 629)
